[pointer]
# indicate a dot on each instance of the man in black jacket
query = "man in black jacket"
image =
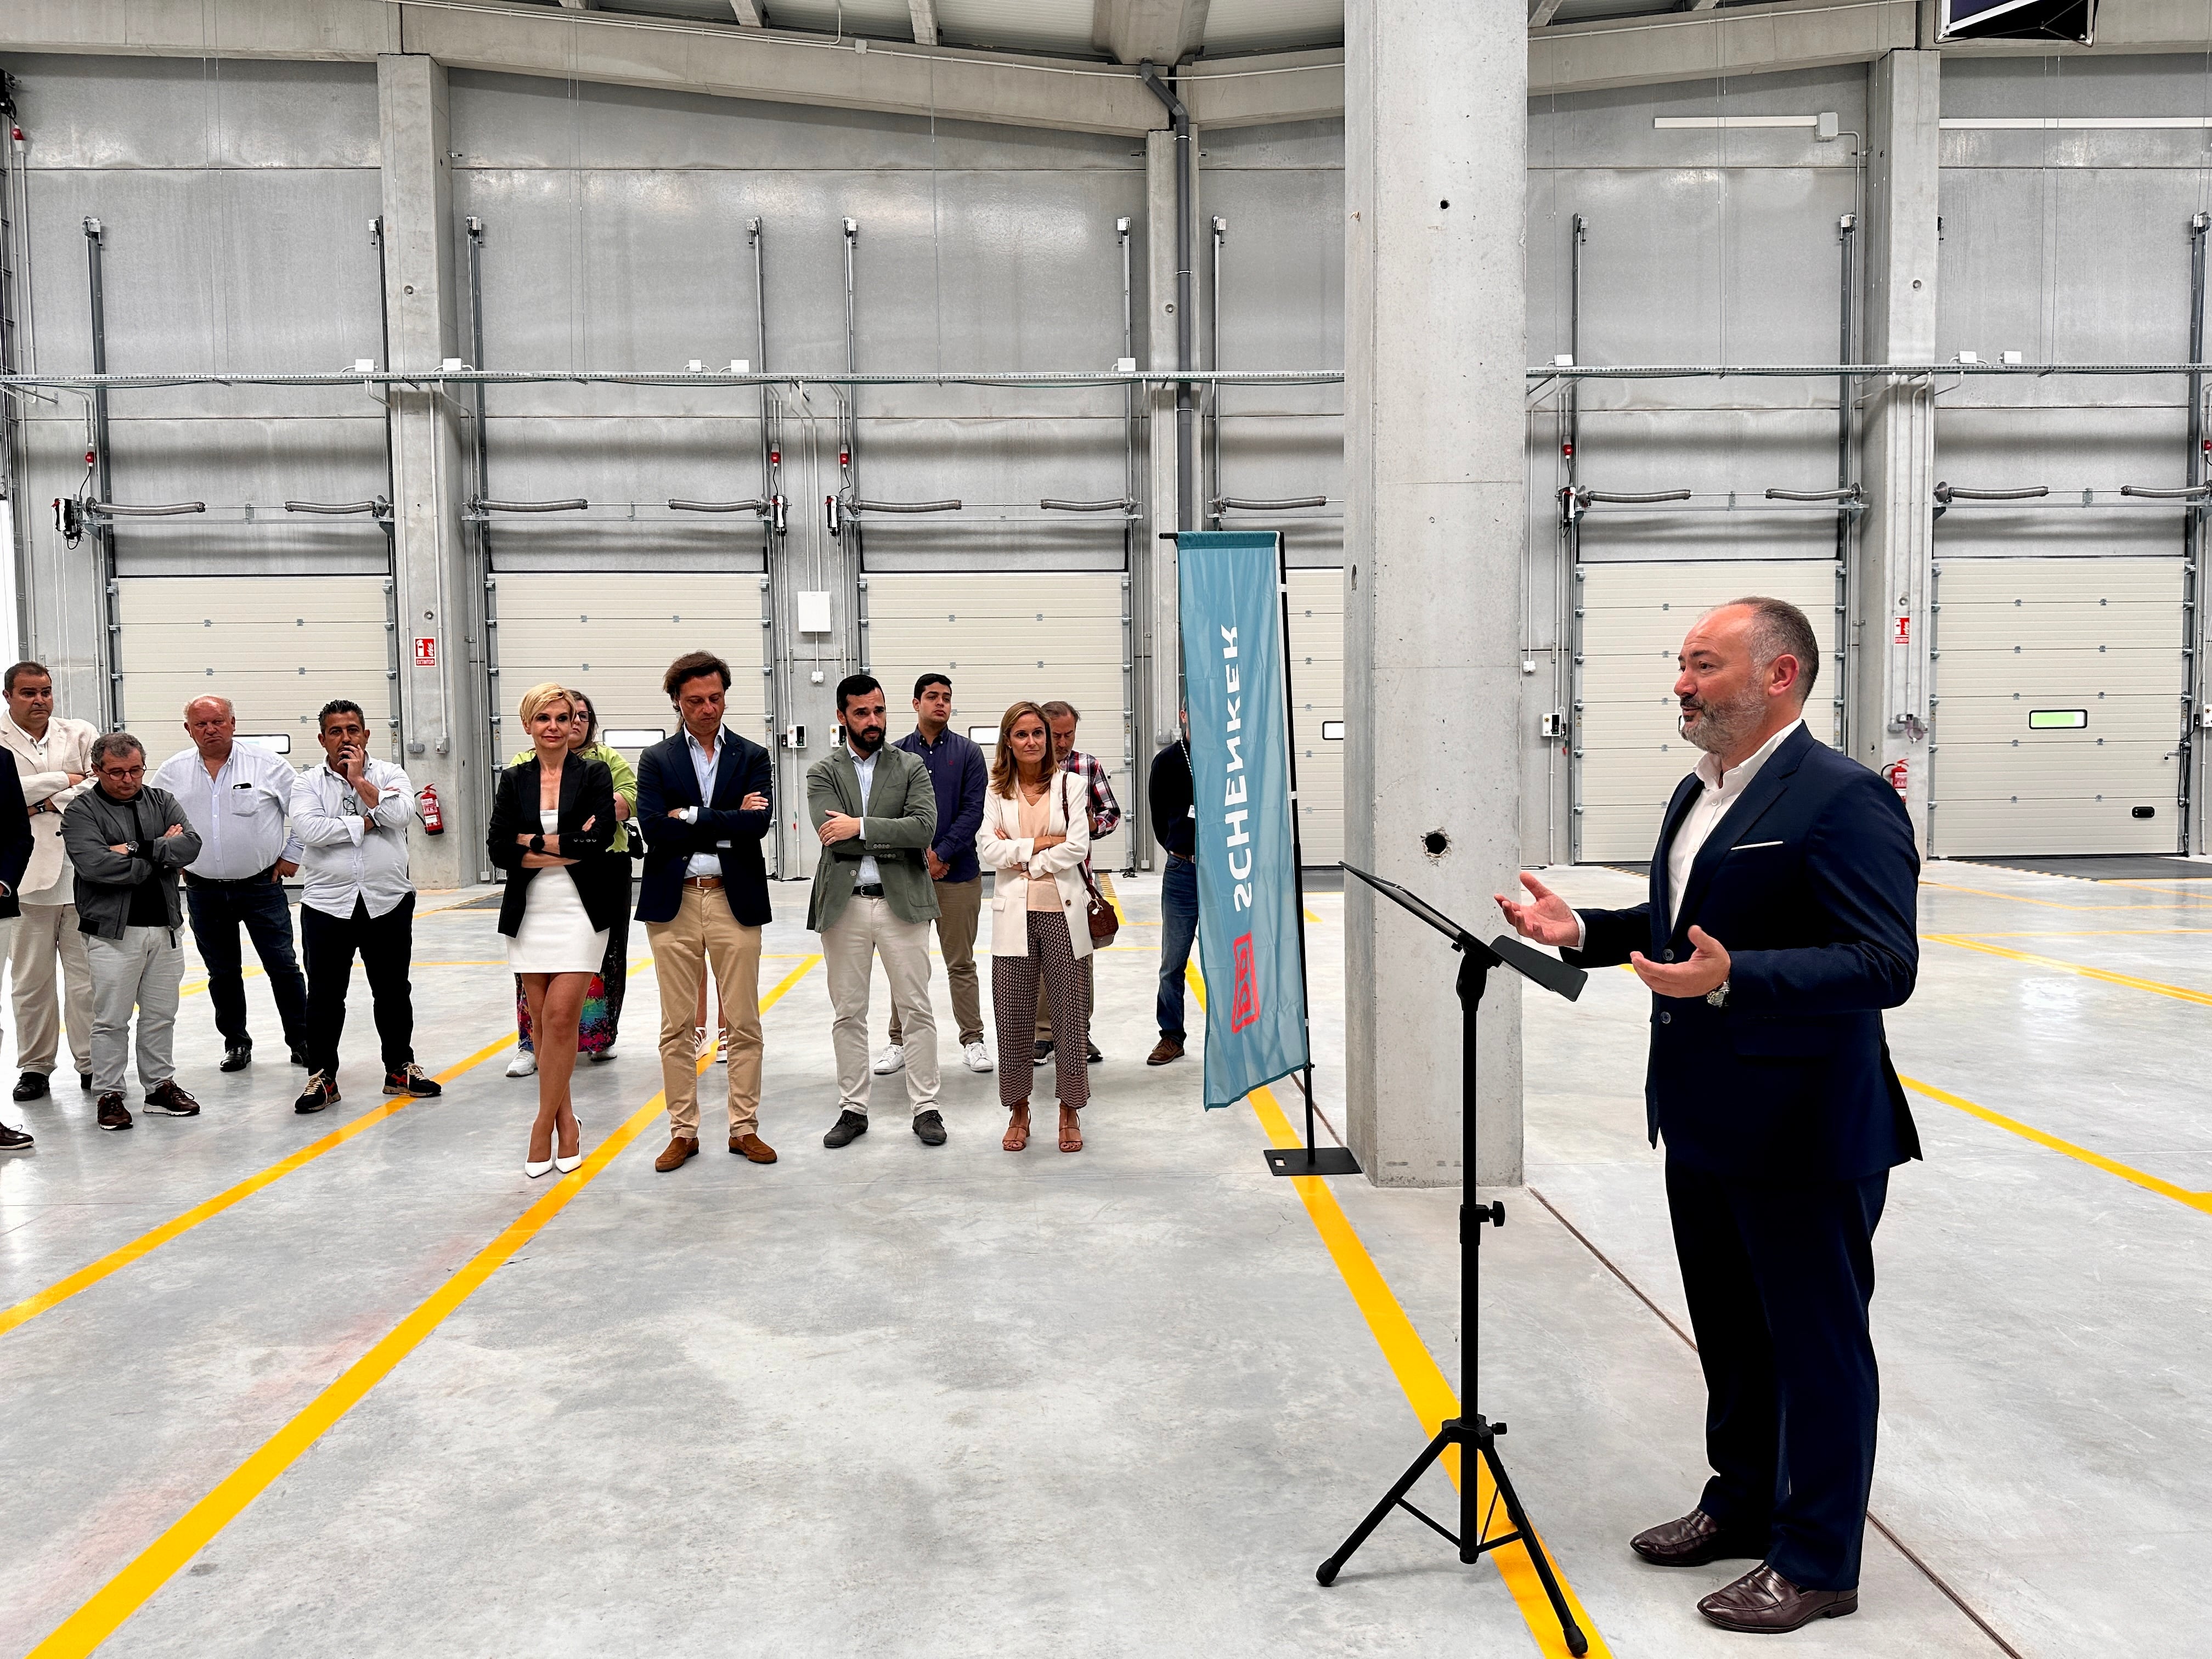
(127, 842)
(1167, 791)
(14, 859)
(703, 804)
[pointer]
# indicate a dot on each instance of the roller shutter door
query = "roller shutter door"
(1005, 636)
(1629, 753)
(278, 647)
(2058, 686)
(612, 636)
(1317, 703)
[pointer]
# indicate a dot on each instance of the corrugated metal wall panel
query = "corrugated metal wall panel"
(1316, 651)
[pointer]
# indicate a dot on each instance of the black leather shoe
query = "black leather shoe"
(236, 1058)
(848, 1128)
(1765, 1603)
(84, 1081)
(300, 1057)
(32, 1085)
(929, 1128)
(1090, 1054)
(1693, 1541)
(13, 1139)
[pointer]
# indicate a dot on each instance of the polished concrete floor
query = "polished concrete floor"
(903, 1400)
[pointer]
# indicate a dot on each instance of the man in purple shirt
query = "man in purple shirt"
(958, 771)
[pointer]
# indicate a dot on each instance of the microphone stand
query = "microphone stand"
(1470, 1429)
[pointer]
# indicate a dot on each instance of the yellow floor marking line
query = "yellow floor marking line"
(2180, 993)
(2081, 932)
(128, 1590)
(146, 1243)
(192, 988)
(2022, 898)
(1315, 920)
(2159, 887)
(1422, 1381)
(2149, 1184)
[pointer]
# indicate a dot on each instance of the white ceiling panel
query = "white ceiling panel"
(1061, 27)
(1241, 25)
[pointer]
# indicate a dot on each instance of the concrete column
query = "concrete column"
(1889, 707)
(439, 593)
(1156, 721)
(1435, 146)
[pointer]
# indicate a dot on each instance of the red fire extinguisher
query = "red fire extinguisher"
(433, 821)
(1895, 772)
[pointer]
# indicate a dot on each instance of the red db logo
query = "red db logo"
(1244, 1006)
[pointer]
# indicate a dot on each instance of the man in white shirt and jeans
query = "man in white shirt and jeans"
(54, 756)
(351, 815)
(237, 796)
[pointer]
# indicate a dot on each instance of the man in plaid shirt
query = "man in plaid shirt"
(1105, 818)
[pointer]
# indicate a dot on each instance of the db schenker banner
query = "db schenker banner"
(1247, 915)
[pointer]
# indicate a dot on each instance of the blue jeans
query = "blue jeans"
(217, 911)
(1178, 926)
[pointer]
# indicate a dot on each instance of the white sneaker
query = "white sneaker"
(524, 1064)
(604, 1053)
(977, 1056)
(893, 1059)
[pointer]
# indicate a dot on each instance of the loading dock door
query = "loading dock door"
(278, 647)
(2058, 686)
(1316, 652)
(611, 636)
(1004, 636)
(1629, 753)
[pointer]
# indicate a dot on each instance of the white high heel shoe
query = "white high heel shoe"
(534, 1170)
(570, 1165)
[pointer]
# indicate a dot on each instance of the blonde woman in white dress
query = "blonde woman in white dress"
(553, 815)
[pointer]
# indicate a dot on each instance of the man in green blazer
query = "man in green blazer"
(875, 810)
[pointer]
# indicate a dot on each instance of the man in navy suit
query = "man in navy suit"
(702, 803)
(1781, 923)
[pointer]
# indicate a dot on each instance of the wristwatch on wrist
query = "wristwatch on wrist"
(1718, 995)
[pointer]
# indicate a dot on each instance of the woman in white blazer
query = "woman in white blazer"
(1036, 835)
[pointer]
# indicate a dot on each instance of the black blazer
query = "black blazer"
(665, 781)
(587, 794)
(15, 839)
(1810, 881)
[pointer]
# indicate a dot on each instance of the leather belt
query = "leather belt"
(874, 890)
(708, 884)
(1185, 857)
(191, 880)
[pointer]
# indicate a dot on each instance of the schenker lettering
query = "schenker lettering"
(1240, 864)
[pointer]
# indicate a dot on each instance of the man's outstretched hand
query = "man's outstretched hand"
(1707, 970)
(1548, 920)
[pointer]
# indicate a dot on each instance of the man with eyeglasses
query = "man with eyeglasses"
(127, 842)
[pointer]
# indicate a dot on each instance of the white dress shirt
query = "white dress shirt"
(238, 812)
(870, 874)
(1720, 791)
(350, 852)
(705, 763)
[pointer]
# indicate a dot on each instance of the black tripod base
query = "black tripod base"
(1471, 1541)
(1311, 1161)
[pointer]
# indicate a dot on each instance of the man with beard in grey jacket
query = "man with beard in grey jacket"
(127, 842)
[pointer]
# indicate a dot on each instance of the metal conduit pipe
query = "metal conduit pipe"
(118, 510)
(482, 505)
(1185, 196)
(1124, 505)
(902, 506)
(1630, 498)
(1849, 493)
(2192, 492)
(1947, 493)
(720, 506)
(378, 508)
(1246, 504)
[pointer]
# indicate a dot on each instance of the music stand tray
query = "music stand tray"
(1470, 1429)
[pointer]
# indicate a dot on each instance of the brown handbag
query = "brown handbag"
(1105, 922)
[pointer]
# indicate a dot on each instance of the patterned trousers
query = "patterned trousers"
(1014, 981)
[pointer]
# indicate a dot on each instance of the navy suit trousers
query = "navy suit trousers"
(1778, 1274)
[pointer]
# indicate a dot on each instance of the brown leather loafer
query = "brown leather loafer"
(680, 1149)
(1765, 1602)
(1165, 1049)
(1694, 1540)
(752, 1147)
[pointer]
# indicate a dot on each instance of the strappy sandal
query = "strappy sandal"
(1071, 1140)
(1018, 1135)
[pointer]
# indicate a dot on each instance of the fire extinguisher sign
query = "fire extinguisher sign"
(426, 651)
(1902, 636)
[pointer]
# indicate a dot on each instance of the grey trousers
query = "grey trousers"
(141, 970)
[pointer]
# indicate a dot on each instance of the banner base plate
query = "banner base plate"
(1320, 1161)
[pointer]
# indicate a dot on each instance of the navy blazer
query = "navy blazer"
(15, 842)
(1811, 881)
(665, 781)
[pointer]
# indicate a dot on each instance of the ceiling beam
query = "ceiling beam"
(1540, 12)
(747, 13)
(576, 5)
(1689, 45)
(1149, 31)
(924, 16)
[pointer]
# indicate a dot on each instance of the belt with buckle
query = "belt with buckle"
(1185, 857)
(191, 880)
(873, 889)
(708, 882)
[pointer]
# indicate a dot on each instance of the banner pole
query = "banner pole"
(1334, 1160)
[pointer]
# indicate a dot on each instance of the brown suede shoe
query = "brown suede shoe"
(681, 1148)
(1694, 1540)
(1765, 1602)
(1165, 1049)
(752, 1147)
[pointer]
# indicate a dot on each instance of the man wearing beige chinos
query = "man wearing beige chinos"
(53, 758)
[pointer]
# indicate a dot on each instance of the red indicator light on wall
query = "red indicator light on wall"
(775, 457)
(1567, 451)
(844, 458)
(90, 457)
